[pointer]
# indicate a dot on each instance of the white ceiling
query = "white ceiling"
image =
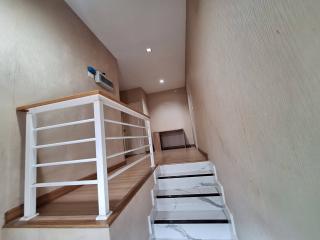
(128, 27)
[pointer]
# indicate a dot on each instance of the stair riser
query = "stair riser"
(193, 231)
(187, 204)
(185, 183)
(187, 167)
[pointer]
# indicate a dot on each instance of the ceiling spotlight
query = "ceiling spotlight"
(148, 50)
(161, 81)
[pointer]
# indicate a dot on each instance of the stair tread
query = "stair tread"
(197, 173)
(184, 238)
(187, 164)
(190, 215)
(186, 192)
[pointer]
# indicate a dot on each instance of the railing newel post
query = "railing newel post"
(30, 193)
(101, 156)
(149, 133)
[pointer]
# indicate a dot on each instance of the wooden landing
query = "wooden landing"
(79, 208)
(181, 155)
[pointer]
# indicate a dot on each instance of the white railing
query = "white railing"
(98, 102)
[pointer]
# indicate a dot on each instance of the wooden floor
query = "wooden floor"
(79, 207)
(181, 155)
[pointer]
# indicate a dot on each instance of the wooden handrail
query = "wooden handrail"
(26, 108)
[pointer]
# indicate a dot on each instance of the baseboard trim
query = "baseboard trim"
(17, 212)
(203, 153)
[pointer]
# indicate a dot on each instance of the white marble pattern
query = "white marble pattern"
(181, 183)
(185, 167)
(183, 239)
(193, 231)
(194, 203)
(190, 215)
(196, 190)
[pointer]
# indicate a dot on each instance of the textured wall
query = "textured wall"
(253, 70)
(135, 95)
(44, 52)
(169, 111)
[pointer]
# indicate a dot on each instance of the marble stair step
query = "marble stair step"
(172, 169)
(189, 204)
(185, 238)
(186, 182)
(205, 225)
(193, 231)
(200, 203)
(190, 217)
(185, 167)
(188, 192)
(197, 173)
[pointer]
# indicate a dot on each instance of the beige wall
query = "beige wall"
(135, 95)
(253, 70)
(169, 111)
(44, 52)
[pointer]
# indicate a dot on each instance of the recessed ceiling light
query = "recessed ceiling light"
(161, 81)
(148, 50)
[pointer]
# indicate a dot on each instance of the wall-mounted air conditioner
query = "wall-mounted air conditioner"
(100, 78)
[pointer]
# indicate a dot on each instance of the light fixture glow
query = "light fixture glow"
(148, 50)
(161, 81)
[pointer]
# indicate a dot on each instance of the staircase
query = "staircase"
(188, 203)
